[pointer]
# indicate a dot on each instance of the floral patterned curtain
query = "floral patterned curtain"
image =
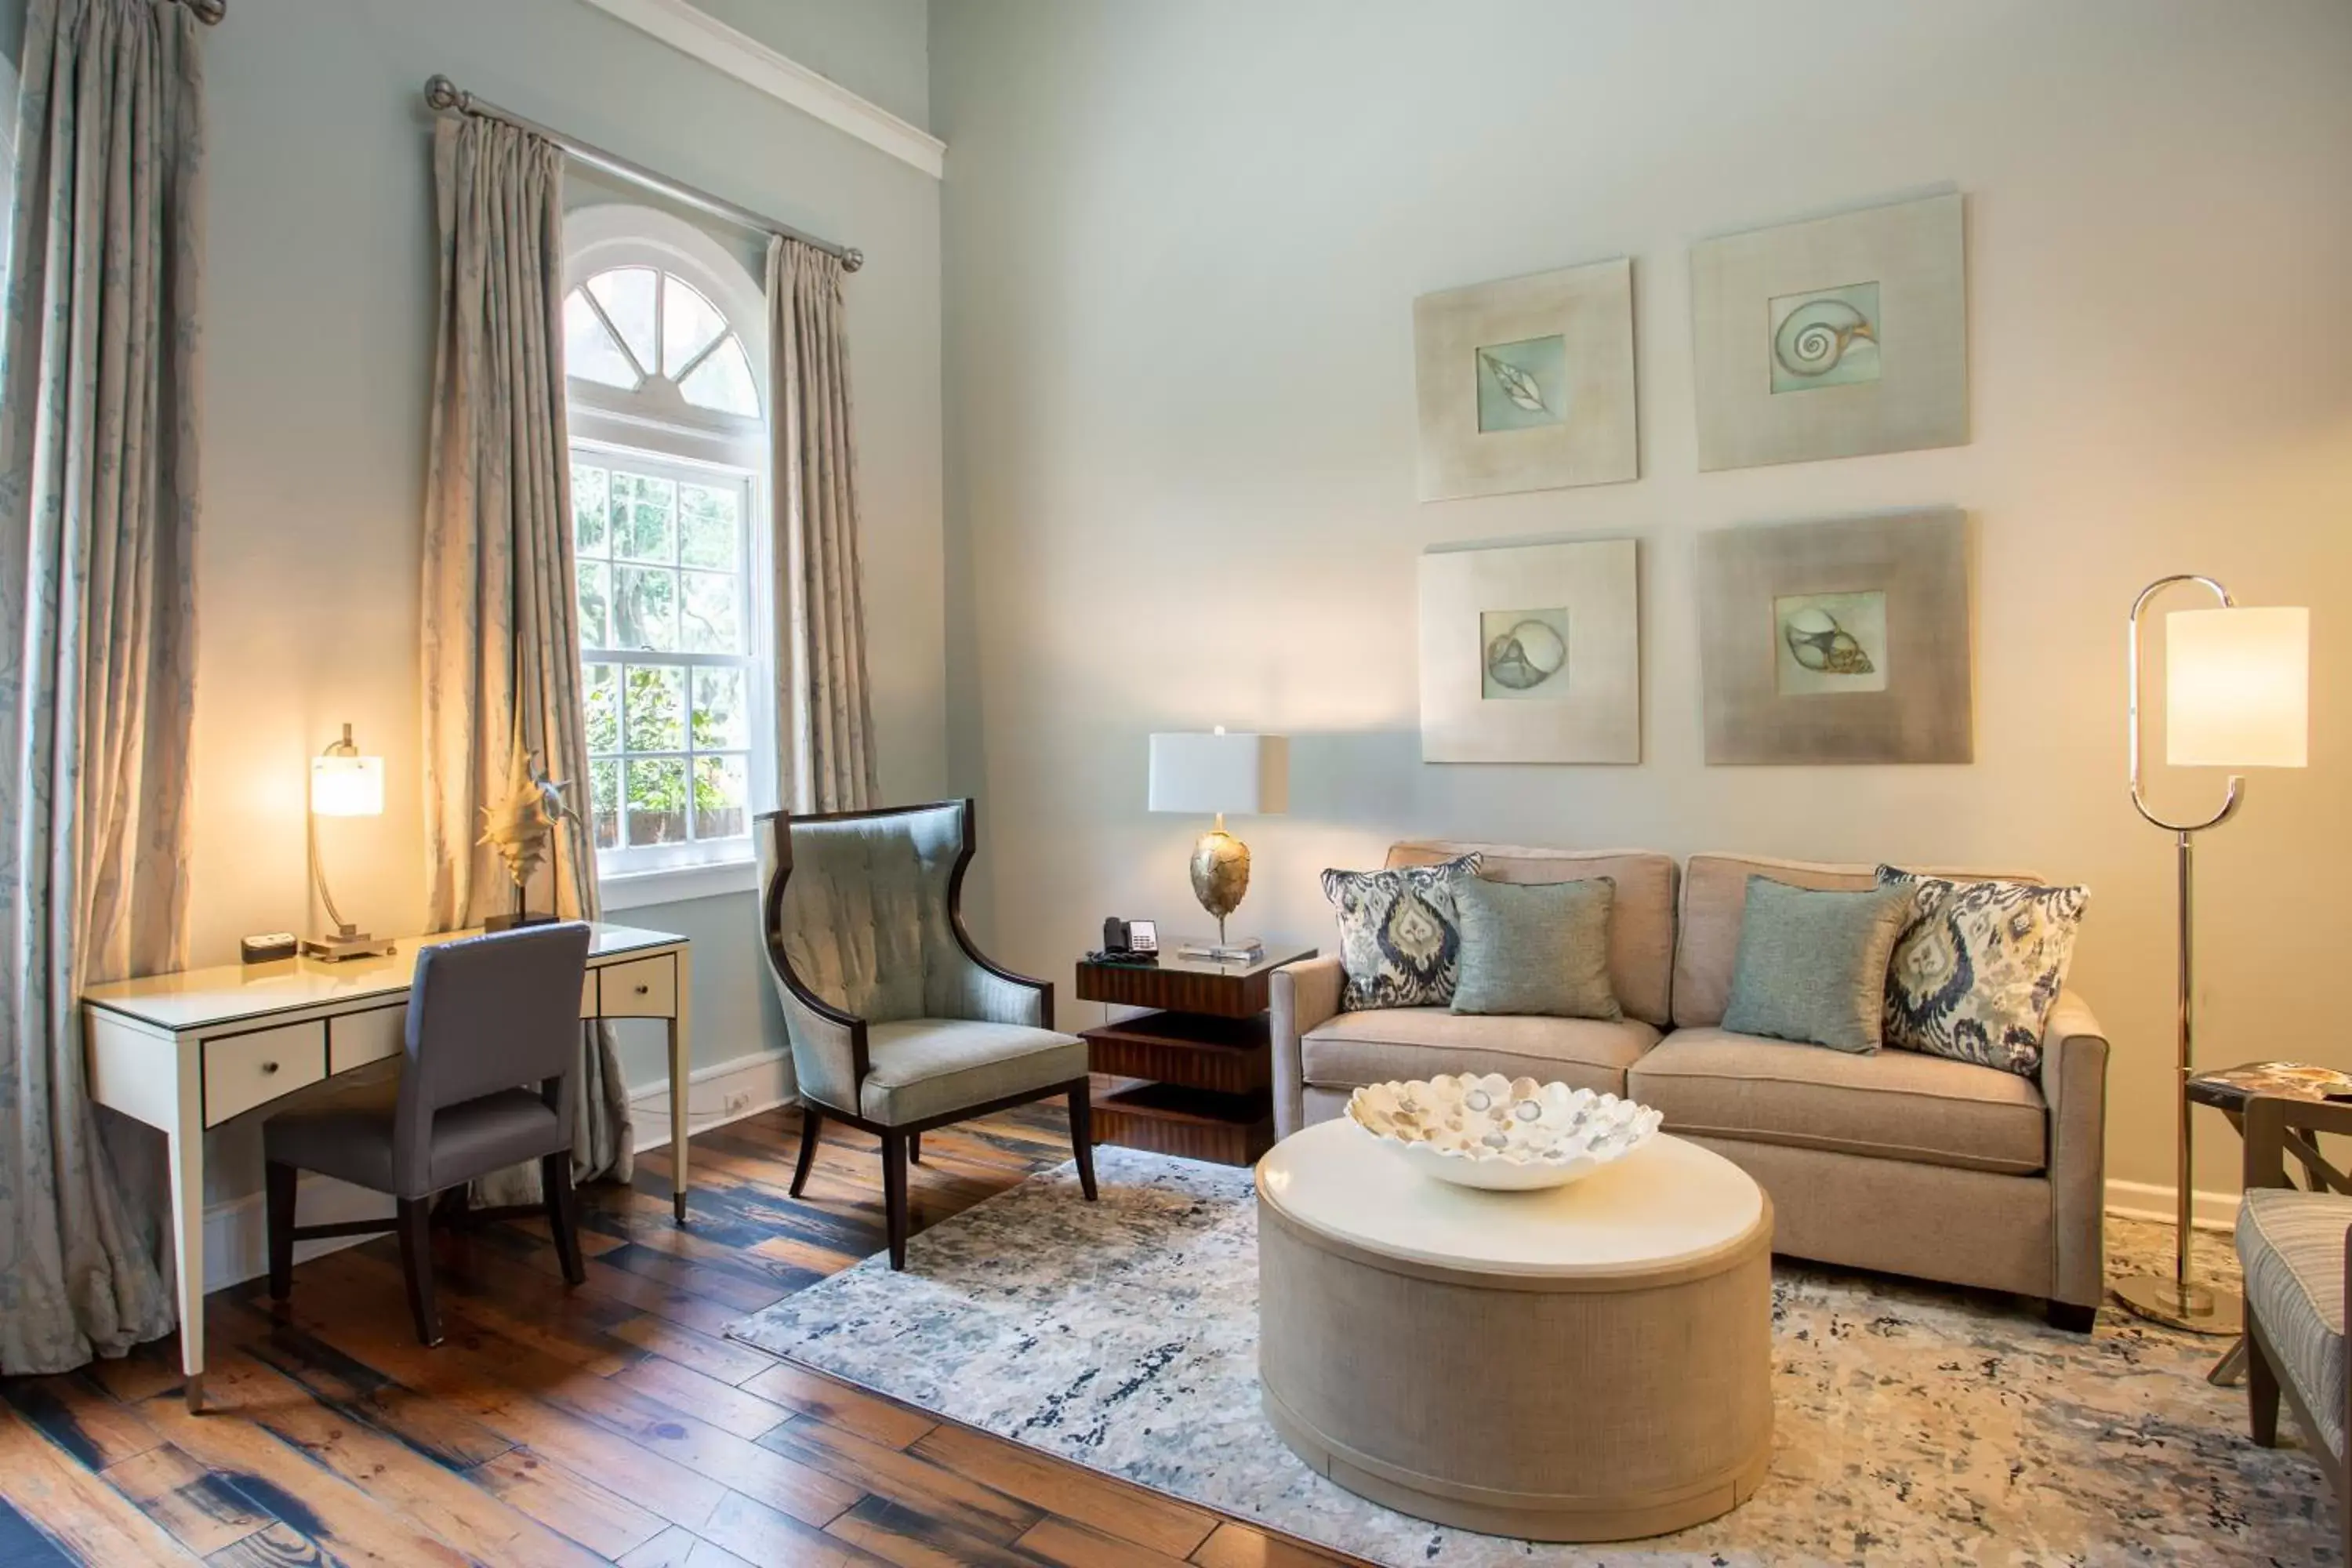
(97, 522)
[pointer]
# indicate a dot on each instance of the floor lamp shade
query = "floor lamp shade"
(1248, 775)
(2238, 688)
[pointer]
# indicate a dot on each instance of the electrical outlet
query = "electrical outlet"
(737, 1103)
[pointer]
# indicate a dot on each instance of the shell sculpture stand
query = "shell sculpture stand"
(521, 825)
(1499, 1133)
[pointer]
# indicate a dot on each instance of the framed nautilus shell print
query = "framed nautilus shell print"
(1527, 384)
(1833, 338)
(1845, 641)
(1531, 653)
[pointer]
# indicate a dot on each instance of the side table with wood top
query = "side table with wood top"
(1196, 1075)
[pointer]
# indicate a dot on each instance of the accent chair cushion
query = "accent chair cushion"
(1892, 1105)
(923, 1068)
(1813, 963)
(1641, 914)
(1392, 1044)
(344, 1131)
(2291, 1245)
(1541, 949)
(1978, 966)
(1398, 939)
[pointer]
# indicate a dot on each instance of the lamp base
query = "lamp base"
(1237, 949)
(2199, 1308)
(347, 943)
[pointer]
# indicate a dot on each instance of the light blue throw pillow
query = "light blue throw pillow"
(1812, 965)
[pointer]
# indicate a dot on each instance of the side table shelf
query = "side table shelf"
(1194, 1078)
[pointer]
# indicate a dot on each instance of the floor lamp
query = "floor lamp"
(2236, 695)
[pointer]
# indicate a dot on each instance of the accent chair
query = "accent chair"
(897, 1023)
(2296, 1248)
(486, 1014)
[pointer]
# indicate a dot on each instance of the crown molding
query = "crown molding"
(696, 33)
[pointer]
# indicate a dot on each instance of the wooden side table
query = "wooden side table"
(1196, 1076)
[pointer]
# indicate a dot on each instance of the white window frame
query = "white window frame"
(660, 431)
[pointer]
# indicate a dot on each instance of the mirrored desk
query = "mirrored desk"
(189, 1051)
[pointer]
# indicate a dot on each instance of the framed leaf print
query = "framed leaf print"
(1527, 384)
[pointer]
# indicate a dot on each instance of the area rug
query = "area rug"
(1911, 1424)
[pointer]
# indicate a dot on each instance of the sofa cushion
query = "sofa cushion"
(1978, 967)
(1357, 1048)
(1894, 1105)
(1813, 963)
(1400, 937)
(1714, 890)
(1541, 947)
(2291, 1245)
(1642, 912)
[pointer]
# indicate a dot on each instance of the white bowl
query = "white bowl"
(1500, 1133)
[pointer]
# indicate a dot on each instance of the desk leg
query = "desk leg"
(187, 1156)
(680, 1086)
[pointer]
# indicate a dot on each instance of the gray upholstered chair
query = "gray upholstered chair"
(897, 1023)
(2296, 1248)
(486, 1015)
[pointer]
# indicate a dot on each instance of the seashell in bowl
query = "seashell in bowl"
(1502, 1134)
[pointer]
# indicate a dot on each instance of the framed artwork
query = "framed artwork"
(1531, 653)
(1527, 383)
(1832, 339)
(1838, 642)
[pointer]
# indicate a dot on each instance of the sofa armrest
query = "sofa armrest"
(1305, 996)
(2074, 1089)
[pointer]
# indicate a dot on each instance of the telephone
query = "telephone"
(1128, 941)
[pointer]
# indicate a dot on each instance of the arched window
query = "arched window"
(665, 358)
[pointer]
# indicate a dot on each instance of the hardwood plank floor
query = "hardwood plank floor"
(609, 1424)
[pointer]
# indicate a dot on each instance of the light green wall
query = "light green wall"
(1182, 245)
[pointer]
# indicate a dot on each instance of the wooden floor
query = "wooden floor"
(614, 1423)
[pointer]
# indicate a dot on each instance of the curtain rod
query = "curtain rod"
(441, 94)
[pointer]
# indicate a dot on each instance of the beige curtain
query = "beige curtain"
(98, 520)
(824, 714)
(501, 645)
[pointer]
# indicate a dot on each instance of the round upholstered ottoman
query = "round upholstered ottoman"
(1592, 1362)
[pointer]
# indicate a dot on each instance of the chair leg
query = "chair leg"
(894, 1195)
(1082, 1138)
(812, 1126)
(2262, 1395)
(555, 1185)
(915, 1148)
(279, 1183)
(417, 1263)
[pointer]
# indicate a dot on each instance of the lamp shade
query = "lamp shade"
(2237, 688)
(1245, 774)
(347, 787)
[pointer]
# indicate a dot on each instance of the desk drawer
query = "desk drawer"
(242, 1071)
(644, 988)
(358, 1037)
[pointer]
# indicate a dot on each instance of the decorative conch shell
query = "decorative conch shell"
(520, 825)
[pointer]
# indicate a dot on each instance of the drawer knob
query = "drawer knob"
(267, 1067)
(641, 990)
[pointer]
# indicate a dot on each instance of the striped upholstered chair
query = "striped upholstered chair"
(897, 1023)
(2296, 1248)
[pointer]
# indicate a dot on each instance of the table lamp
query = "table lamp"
(2236, 695)
(343, 783)
(1245, 774)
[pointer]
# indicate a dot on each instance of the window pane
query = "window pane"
(708, 621)
(654, 716)
(658, 801)
(599, 694)
(605, 803)
(723, 382)
(722, 720)
(688, 323)
(722, 791)
(705, 526)
(589, 351)
(627, 295)
(595, 604)
(589, 534)
(645, 612)
(645, 512)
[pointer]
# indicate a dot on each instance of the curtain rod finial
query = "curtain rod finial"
(852, 259)
(441, 93)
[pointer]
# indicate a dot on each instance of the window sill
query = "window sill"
(677, 884)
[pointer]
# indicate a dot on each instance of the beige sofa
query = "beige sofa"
(1909, 1163)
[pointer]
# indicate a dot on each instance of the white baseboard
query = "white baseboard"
(2147, 1200)
(236, 1233)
